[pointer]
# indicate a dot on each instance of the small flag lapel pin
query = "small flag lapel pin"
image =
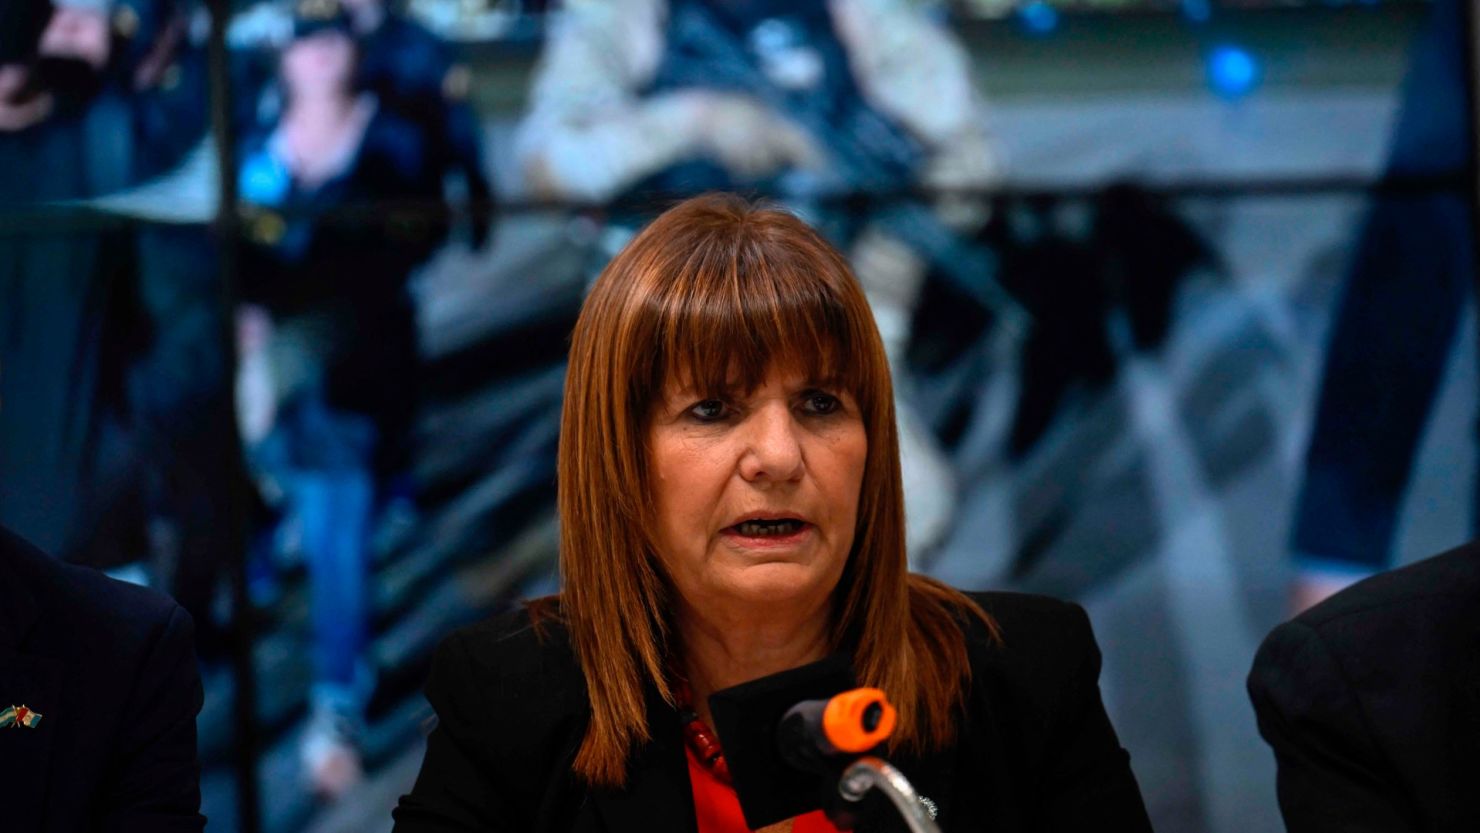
(19, 717)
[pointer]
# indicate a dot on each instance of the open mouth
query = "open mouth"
(778, 528)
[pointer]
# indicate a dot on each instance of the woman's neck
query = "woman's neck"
(321, 108)
(319, 136)
(720, 651)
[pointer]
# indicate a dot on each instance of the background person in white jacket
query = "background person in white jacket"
(634, 97)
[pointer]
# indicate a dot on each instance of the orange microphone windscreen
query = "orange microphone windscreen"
(858, 720)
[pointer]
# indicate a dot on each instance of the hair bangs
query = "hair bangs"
(733, 314)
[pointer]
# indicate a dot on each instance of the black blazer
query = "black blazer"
(1371, 701)
(110, 668)
(1035, 752)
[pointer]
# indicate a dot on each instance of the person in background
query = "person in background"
(1412, 273)
(344, 203)
(413, 72)
(410, 70)
(126, 69)
(1371, 702)
(633, 97)
(99, 693)
(114, 368)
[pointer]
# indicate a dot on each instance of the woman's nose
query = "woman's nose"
(773, 451)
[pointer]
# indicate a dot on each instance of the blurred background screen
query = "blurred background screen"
(285, 289)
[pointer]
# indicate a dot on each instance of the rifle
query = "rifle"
(866, 153)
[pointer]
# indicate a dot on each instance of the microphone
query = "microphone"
(813, 733)
(823, 735)
(800, 741)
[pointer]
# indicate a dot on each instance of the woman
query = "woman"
(731, 508)
(328, 345)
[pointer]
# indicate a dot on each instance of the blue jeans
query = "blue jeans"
(1396, 324)
(323, 460)
(1390, 342)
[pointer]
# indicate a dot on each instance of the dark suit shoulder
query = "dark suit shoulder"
(78, 609)
(1040, 635)
(1044, 667)
(1452, 575)
(512, 690)
(127, 611)
(509, 631)
(1030, 610)
(511, 646)
(1368, 700)
(1417, 618)
(128, 676)
(1035, 701)
(1374, 636)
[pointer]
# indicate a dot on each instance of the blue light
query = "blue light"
(264, 179)
(1232, 71)
(1038, 17)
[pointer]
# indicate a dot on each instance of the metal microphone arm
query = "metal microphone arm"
(868, 773)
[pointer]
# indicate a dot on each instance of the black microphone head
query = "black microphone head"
(748, 718)
(801, 740)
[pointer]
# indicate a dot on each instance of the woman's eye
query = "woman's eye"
(710, 410)
(821, 403)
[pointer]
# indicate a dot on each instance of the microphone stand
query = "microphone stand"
(871, 773)
(830, 737)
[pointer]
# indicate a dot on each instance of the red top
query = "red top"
(718, 807)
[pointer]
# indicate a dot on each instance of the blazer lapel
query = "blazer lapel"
(931, 778)
(25, 753)
(658, 795)
(933, 775)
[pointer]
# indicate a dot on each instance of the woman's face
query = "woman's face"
(757, 494)
(320, 63)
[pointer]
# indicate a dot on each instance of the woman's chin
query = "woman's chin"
(769, 583)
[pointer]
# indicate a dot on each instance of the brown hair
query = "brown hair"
(714, 289)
